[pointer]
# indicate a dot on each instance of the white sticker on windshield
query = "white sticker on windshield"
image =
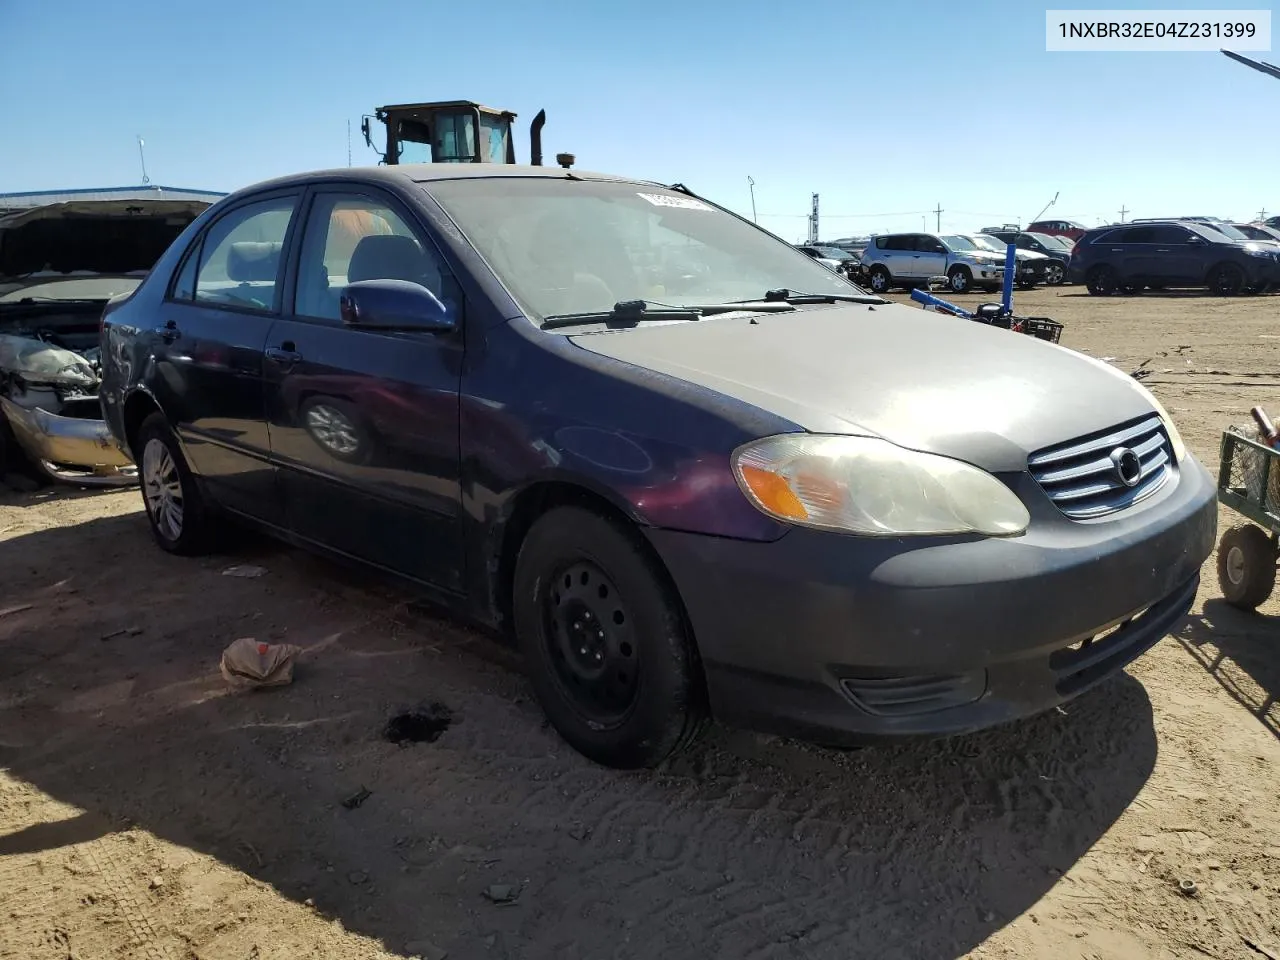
(683, 203)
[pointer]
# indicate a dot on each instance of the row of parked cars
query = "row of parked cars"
(967, 261)
(1183, 252)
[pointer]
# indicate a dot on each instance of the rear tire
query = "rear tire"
(605, 641)
(1246, 566)
(879, 279)
(1102, 281)
(180, 521)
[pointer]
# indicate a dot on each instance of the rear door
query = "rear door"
(364, 424)
(209, 350)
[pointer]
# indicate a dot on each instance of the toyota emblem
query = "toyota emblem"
(1127, 466)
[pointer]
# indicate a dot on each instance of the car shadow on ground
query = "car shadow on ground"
(1239, 650)
(110, 700)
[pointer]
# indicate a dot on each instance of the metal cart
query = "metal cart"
(1249, 484)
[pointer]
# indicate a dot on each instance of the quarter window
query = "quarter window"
(240, 259)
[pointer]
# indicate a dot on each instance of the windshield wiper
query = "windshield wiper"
(59, 300)
(783, 295)
(629, 312)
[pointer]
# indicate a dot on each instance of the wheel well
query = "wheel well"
(960, 266)
(539, 499)
(137, 408)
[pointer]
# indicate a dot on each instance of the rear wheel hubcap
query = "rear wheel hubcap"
(162, 489)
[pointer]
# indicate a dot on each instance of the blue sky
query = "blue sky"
(885, 110)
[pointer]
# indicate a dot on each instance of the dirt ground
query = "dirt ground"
(147, 812)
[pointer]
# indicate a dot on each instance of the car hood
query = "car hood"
(88, 237)
(919, 379)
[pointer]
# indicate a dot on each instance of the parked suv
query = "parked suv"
(1057, 249)
(1129, 257)
(910, 259)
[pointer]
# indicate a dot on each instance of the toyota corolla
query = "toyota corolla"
(688, 470)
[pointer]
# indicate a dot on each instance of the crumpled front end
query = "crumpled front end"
(48, 396)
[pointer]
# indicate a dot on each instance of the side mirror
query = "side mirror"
(394, 305)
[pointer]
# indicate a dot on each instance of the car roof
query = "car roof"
(432, 172)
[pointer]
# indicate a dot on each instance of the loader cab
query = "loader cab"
(452, 131)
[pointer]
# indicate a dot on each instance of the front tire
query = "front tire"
(605, 641)
(1226, 279)
(1246, 566)
(1054, 274)
(959, 280)
(180, 521)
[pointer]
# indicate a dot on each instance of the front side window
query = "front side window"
(351, 238)
(240, 258)
(580, 246)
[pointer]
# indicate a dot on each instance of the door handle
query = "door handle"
(170, 332)
(284, 354)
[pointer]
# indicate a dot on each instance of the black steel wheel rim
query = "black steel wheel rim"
(590, 643)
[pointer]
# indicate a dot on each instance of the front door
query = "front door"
(364, 424)
(929, 258)
(209, 348)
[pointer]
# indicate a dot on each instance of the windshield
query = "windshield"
(988, 242)
(957, 242)
(80, 288)
(1048, 240)
(581, 246)
(1229, 230)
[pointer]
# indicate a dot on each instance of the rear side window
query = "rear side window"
(903, 242)
(241, 256)
(1140, 235)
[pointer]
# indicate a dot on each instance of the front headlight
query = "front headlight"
(869, 486)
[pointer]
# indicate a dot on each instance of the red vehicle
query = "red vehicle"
(1059, 228)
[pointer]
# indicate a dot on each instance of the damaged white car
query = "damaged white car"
(59, 266)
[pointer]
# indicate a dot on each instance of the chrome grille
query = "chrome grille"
(1083, 481)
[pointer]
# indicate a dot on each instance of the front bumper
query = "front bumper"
(73, 449)
(843, 639)
(1031, 271)
(985, 274)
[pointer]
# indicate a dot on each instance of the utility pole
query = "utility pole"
(1262, 214)
(751, 185)
(813, 221)
(938, 213)
(348, 141)
(1123, 211)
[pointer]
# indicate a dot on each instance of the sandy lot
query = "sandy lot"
(147, 812)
